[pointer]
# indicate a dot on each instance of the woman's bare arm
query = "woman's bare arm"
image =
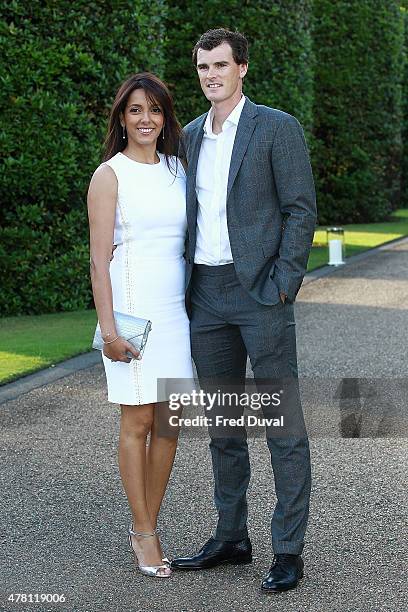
(102, 197)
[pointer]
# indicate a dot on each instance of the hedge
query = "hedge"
(358, 46)
(404, 181)
(280, 66)
(62, 64)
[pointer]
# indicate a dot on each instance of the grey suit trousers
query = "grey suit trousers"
(227, 325)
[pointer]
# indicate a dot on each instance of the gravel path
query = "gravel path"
(64, 515)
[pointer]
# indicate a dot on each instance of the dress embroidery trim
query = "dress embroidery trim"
(135, 365)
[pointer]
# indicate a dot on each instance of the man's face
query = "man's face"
(220, 77)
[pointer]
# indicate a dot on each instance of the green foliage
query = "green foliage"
(62, 64)
(46, 258)
(280, 67)
(358, 47)
(404, 181)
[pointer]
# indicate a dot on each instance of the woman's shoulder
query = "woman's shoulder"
(105, 169)
(105, 176)
(112, 167)
(113, 161)
(104, 181)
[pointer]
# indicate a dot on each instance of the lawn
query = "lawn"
(360, 237)
(30, 343)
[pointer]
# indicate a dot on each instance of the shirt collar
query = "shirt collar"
(232, 119)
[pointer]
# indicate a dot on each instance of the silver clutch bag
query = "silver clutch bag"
(131, 328)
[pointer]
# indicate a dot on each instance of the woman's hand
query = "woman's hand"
(116, 350)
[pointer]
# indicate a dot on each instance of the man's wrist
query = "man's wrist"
(283, 296)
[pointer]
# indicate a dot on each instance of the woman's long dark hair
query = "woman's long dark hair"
(156, 92)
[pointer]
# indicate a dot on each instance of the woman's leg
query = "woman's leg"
(136, 422)
(160, 457)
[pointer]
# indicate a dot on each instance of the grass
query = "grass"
(360, 237)
(30, 343)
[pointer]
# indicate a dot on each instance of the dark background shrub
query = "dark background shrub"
(280, 67)
(404, 170)
(358, 46)
(62, 64)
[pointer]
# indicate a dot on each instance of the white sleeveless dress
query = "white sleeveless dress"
(147, 276)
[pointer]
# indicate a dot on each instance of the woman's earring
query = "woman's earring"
(163, 133)
(123, 132)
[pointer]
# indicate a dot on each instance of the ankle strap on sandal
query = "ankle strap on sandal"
(140, 533)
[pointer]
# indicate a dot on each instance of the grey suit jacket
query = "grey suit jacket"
(271, 202)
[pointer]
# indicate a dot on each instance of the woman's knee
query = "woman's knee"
(136, 422)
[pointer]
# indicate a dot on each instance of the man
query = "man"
(251, 216)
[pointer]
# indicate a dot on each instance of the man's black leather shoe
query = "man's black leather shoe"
(284, 574)
(215, 553)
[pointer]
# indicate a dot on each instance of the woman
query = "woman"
(136, 201)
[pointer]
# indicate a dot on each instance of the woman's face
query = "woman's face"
(142, 118)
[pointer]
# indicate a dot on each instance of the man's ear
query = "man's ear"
(243, 69)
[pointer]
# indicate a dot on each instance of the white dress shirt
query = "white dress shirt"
(213, 246)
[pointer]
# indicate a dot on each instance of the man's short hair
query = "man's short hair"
(213, 38)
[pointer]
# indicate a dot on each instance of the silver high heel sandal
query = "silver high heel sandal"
(149, 570)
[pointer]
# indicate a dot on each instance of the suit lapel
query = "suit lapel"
(194, 147)
(245, 129)
(193, 154)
